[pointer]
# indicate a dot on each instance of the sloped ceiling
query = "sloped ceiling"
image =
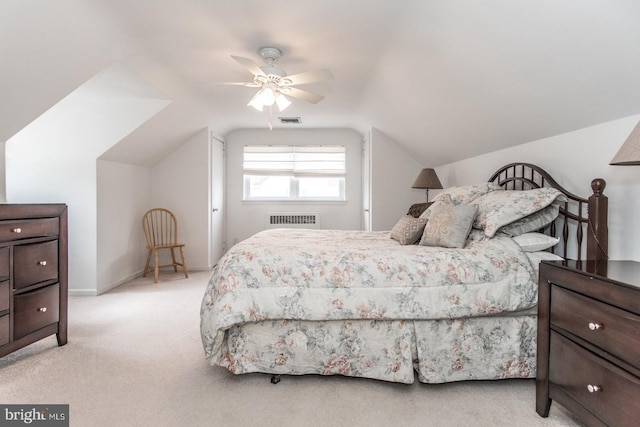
(447, 80)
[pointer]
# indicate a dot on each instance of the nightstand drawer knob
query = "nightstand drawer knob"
(16, 230)
(594, 388)
(42, 309)
(42, 262)
(594, 326)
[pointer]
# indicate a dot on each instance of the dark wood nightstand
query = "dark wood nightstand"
(589, 340)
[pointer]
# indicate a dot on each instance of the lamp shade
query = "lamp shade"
(629, 153)
(427, 179)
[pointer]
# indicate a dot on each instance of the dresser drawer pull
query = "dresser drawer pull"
(16, 230)
(593, 388)
(44, 310)
(45, 263)
(595, 326)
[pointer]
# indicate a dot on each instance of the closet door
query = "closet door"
(217, 201)
(366, 183)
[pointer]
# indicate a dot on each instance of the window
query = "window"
(300, 172)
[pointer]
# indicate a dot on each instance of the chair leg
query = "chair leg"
(184, 263)
(173, 258)
(146, 266)
(155, 272)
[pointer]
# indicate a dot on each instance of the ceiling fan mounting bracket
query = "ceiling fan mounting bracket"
(270, 54)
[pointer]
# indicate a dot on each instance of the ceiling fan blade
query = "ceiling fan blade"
(310, 77)
(303, 95)
(245, 84)
(249, 65)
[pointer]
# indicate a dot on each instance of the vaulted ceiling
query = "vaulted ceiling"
(447, 80)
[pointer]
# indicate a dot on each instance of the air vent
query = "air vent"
(293, 220)
(290, 120)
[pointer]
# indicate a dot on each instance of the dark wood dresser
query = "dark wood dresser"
(589, 340)
(33, 274)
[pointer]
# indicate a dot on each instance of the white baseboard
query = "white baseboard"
(83, 292)
(94, 292)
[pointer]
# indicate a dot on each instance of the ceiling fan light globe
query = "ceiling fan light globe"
(256, 105)
(282, 102)
(256, 101)
(267, 97)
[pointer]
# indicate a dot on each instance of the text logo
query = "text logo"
(34, 415)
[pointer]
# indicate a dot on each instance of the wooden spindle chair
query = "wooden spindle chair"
(161, 230)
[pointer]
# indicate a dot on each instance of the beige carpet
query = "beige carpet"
(134, 358)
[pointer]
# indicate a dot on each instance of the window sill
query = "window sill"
(294, 202)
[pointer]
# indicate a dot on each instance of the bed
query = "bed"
(449, 294)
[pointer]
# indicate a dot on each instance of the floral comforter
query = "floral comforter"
(339, 275)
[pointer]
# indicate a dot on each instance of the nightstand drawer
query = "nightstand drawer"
(4, 295)
(27, 228)
(614, 392)
(36, 309)
(4, 329)
(612, 329)
(35, 263)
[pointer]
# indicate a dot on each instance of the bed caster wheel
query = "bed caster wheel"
(275, 379)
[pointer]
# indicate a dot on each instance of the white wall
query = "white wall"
(53, 160)
(246, 218)
(574, 159)
(181, 183)
(392, 172)
(3, 188)
(123, 197)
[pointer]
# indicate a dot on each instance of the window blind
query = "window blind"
(296, 161)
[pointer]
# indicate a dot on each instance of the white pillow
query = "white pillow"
(536, 257)
(533, 242)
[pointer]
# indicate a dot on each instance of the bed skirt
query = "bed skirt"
(439, 351)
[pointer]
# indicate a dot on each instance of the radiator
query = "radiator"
(293, 220)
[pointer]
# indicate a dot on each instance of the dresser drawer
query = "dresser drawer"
(574, 369)
(4, 262)
(4, 329)
(34, 310)
(27, 228)
(612, 329)
(4, 295)
(34, 263)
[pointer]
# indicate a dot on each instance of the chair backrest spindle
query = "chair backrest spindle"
(160, 227)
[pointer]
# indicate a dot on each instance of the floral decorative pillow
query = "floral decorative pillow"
(499, 208)
(465, 194)
(408, 230)
(448, 225)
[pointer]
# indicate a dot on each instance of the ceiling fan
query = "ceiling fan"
(275, 85)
